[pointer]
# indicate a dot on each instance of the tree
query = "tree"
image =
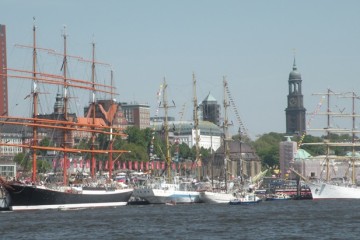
(267, 148)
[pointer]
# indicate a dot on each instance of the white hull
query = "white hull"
(162, 196)
(216, 197)
(321, 190)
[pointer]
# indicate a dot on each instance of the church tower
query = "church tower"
(295, 111)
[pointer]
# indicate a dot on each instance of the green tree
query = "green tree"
(267, 148)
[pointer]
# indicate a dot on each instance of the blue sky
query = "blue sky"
(249, 42)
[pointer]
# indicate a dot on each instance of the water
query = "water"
(307, 219)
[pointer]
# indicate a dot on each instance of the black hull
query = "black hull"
(27, 197)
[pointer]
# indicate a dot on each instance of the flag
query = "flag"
(75, 163)
(130, 165)
(81, 163)
(100, 165)
(157, 165)
(141, 165)
(88, 163)
(147, 166)
(136, 165)
(163, 165)
(173, 166)
(124, 165)
(107, 165)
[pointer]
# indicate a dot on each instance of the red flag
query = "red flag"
(81, 163)
(163, 165)
(62, 162)
(157, 165)
(100, 165)
(75, 163)
(87, 163)
(130, 165)
(141, 165)
(147, 166)
(152, 165)
(124, 165)
(67, 163)
(136, 167)
(173, 166)
(107, 165)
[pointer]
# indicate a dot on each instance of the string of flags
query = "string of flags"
(122, 165)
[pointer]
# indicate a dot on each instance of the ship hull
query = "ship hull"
(29, 197)
(321, 190)
(162, 196)
(216, 197)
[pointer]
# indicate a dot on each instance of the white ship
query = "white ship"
(167, 193)
(345, 187)
(323, 190)
(216, 197)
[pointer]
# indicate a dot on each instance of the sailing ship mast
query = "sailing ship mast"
(196, 129)
(329, 130)
(93, 106)
(35, 102)
(226, 133)
(166, 131)
(65, 97)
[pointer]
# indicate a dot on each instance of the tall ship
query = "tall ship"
(337, 184)
(65, 190)
(168, 189)
(226, 195)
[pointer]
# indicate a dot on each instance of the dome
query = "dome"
(294, 74)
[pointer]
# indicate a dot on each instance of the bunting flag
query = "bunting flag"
(100, 165)
(75, 163)
(147, 166)
(130, 165)
(136, 165)
(61, 162)
(163, 165)
(88, 163)
(173, 166)
(67, 163)
(142, 165)
(124, 165)
(152, 165)
(81, 163)
(118, 165)
(54, 162)
(157, 165)
(107, 167)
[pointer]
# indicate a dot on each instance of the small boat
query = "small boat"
(246, 200)
(277, 197)
(216, 197)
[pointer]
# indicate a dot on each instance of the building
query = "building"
(246, 166)
(295, 111)
(315, 167)
(123, 115)
(287, 152)
(210, 110)
(57, 135)
(3, 72)
(184, 132)
(137, 115)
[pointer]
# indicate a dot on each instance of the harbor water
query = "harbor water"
(305, 219)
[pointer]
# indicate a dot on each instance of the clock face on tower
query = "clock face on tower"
(293, 101)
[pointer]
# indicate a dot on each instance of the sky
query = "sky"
(250, 43)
